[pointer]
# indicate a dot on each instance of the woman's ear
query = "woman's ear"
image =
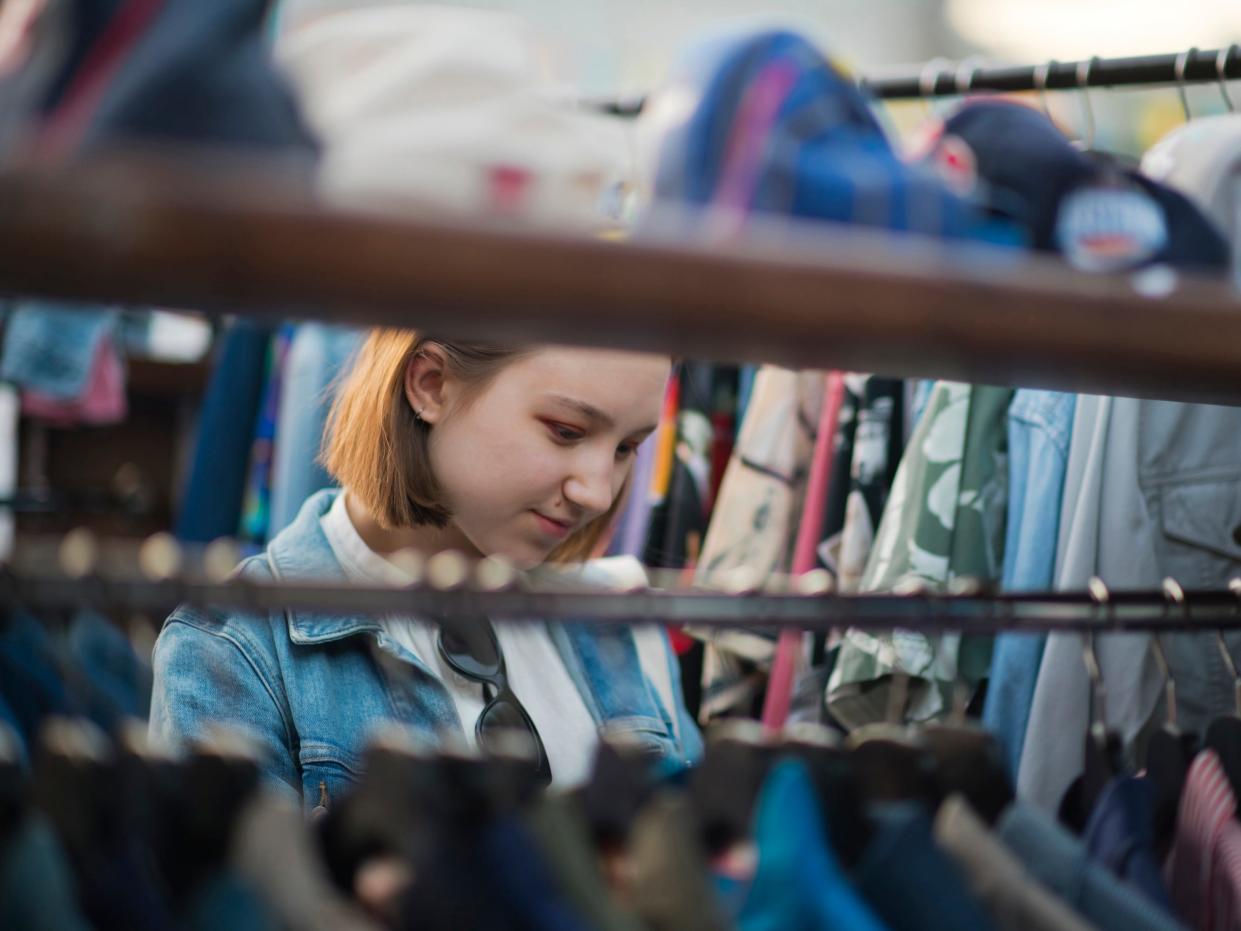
(424, 383)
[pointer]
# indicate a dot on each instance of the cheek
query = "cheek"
(490, 471)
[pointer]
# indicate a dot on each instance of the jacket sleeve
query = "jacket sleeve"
(213, 671)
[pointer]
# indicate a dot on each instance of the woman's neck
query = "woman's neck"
(385, 542)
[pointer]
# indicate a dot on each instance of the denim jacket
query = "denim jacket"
(310, 688)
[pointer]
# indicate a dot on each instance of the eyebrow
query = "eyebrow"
(590, 412)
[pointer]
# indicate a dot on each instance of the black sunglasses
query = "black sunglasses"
(472, 650)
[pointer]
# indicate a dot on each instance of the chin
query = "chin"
(523, 556)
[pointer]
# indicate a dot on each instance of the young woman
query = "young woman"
(441, 445)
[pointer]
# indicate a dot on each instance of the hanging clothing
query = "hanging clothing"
(1120, 834)
(670, 885)
(878, 442)
(908, 880)
(1151, 491)
(1061, 864)
(1013, 898)
(1204, 868)
(51, 348)
(316, 357)
(256, 502)
(752, 528)
(214, 489)
(1040, 425)
(944, 520)
(799, 885)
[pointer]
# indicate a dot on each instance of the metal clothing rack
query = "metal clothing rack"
(943, 78)
(806, 602)
(162, 231)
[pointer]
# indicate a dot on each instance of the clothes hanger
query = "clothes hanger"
(1182, 62)
(1104, 750)
(1224, 733)
(1169, 750)
(75, 784)
(969, 761)
(724, 787)
(620, 785)
(1221, 71)
(891, 759)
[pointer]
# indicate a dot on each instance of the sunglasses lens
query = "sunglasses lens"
(471, 648)
(505, 729)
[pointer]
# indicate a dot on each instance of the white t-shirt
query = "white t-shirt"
(535, 669)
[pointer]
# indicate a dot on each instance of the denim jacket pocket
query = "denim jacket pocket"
(1201, 521)
(328, 772)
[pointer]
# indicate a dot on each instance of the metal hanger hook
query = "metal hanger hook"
(1041, 74)
(1173, 594)
(1103, 599)
(967, 71)
(928, 78)
(1084, 69)
(1221, 72)
(1182, 62)
(1234, 586)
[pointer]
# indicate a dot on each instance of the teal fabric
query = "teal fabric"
(799, 885)
(37, 890)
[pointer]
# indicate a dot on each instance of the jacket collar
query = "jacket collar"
(301, 552)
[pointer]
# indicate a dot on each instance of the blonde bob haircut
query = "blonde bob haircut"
(379, 451)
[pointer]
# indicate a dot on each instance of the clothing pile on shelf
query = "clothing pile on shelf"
(905, 830)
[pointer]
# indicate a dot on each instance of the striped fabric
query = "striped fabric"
(1204, 869)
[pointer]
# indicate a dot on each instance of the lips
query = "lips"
(551, 527)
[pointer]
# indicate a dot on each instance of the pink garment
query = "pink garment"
(1204, 869)
(809, 534)
(751, 133)
(102, 403)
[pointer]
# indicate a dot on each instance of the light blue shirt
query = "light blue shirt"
(1040, 428)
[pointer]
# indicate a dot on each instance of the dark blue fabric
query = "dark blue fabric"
(211, 504)
(119, 680)
(523, 881)
(30, 675)
(909, 882)
(88, 19)
(1121, 835)
(799, 885)
(1024, 164)
(202, 74)
(826, 157)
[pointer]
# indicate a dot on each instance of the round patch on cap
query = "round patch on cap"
(1110, 227)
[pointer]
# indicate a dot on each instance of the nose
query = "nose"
(590, 487)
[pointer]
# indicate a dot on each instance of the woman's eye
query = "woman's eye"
(625, 450)
(564, 434)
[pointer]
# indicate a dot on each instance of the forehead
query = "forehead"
(625, 385)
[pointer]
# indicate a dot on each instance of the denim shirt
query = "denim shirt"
(1040, 428)
(309, 687)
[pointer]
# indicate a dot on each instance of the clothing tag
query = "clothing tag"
(1109, 227)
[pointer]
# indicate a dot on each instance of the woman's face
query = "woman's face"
(545, 447)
